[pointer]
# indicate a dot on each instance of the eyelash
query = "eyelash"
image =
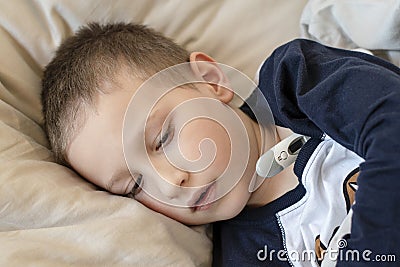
(137, 187)
(164, 139)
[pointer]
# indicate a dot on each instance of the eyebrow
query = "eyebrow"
(116, 178)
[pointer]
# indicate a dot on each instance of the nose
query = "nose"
(176, 179)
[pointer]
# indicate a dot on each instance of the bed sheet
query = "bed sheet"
(350, 24)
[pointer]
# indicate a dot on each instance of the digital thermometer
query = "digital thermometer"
(280, 156)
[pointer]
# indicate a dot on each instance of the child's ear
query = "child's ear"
(206, 68)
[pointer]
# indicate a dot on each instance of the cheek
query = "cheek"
(205, 137)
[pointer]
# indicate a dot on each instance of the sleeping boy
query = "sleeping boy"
(346, 103)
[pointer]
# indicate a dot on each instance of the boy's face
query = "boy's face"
(192, 196)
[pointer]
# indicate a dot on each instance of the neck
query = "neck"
(276, 186)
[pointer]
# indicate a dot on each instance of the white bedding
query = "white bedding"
(350, 24)
(49, 216)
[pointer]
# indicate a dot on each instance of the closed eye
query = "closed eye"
(137, 186)
(165, 139)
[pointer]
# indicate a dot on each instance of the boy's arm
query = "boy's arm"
(355, 99)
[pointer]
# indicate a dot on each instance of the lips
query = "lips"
(203, 199)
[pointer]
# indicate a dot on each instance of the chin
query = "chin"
(231, 209)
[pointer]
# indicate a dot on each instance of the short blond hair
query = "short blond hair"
(86, 60)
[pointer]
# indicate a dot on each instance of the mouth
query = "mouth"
(204, 200)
